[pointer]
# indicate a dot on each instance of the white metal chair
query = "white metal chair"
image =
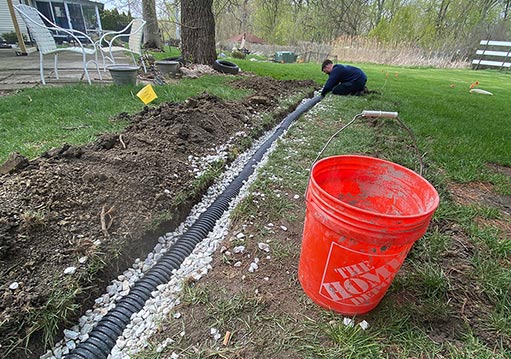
(136, 27)
(46, 44)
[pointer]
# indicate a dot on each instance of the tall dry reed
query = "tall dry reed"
(362, 49)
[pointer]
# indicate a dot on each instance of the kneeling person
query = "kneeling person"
(343, 79)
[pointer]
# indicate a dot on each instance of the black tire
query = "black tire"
(226, 67)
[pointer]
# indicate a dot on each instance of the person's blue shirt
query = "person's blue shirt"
(342, 73)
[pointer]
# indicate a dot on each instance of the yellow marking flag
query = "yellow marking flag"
(147, 94)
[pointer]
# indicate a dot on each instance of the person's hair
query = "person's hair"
(325, 63)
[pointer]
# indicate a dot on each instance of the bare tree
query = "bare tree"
(270, 11)
(507, 6)
(198, 31)
(442, 15)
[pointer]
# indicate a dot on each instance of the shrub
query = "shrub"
(238, 54)
(11, 38)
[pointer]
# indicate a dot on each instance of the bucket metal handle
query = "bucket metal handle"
(371, 114)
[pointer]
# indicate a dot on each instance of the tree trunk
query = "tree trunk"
(505, 13)
(198, 32)
(442, 15)
(151, 32)
(244, 17)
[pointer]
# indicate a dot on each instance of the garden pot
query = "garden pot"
(167, 67)
(123, 74)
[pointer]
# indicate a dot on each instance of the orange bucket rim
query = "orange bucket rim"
(383, 215)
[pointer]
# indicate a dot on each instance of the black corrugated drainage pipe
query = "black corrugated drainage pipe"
(103, 336)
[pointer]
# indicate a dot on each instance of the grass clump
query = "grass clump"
(61, 304)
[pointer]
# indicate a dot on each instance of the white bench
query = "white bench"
(491, 54)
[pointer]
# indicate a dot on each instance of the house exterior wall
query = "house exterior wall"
(79, 15)
(6, 20)
(90, 7)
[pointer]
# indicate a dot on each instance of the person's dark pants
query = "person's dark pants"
(350, 88)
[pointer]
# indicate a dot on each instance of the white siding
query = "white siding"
(5, 18)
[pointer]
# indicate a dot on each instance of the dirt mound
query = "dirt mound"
(79, 214)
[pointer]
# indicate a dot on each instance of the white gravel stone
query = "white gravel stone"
(70, 270)
(70, 344)
(86, 328)
(71, 334)
(215, 333)
(83, 259)
(264, 247)
(139, 331)
(348, 322)
(284, 228)
(364, 325)
(237, 264)
(83, 319)
(253, 267)
(112, 290)
(14, 286)
(115, 353)
(158, 248)
(238, 249)
(57, 352)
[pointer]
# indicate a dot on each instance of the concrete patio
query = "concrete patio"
(19, 72)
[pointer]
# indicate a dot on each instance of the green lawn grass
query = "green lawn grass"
(168, 53)
(463, 131)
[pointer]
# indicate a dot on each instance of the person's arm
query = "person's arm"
(333, 80)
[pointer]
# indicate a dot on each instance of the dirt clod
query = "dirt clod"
(14, 162)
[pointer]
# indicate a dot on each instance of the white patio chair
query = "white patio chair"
(107, 47)
(46, 44)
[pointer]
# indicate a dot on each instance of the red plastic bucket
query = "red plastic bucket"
(363, 216)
